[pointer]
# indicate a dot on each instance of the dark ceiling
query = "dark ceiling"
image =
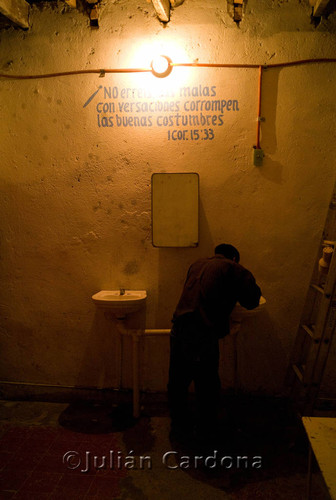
(83, 6)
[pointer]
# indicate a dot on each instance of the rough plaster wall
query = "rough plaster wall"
(75, 207)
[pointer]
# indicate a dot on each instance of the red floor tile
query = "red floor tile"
(3, 429)
(44, 433)
(81, 471)
(34, 465)
(55, 463)
(62, 444)
(64, 494)
(89, 451)
(116, 475)
(7, 494)
(5, 458)
(41, 482)
(106, 439)
(11, 479)
(75, 483)
(104, 487)
(51, 463)
(24, 461)
(11, 444)
(32, 495)
(36, 446)
(17, 432)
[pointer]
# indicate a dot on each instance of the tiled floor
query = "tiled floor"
(46, 462)
(88, 457)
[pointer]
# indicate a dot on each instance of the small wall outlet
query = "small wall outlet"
(257, 155)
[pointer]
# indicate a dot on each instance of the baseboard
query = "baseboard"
(22, 391)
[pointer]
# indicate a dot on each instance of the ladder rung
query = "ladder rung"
(310, 331)
(318, 288)
(298, 372)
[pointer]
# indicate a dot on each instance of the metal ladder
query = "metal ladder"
(317, 326)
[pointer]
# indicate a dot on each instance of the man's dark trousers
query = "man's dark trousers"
(194, 356)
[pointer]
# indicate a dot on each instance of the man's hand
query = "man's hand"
(234, 327)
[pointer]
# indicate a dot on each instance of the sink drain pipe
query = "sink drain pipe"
(136, 335)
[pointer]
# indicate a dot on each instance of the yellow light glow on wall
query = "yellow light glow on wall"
(149, 52)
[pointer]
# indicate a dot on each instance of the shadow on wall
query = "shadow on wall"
(271, 170)
(107, 358)
(262, 361)
(98, 365)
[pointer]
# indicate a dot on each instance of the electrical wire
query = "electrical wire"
(256, 66)
(259, 106)
(102, 72)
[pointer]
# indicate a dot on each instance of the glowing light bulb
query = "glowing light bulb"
(161, 66)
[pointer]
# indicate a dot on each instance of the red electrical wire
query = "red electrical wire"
(259, 107)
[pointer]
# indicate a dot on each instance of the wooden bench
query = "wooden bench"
(321, 432)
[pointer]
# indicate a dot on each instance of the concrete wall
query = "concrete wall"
(76, 195)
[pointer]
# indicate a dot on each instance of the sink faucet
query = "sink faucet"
(122, 291)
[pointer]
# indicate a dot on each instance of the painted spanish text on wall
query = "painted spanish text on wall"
(188, 113)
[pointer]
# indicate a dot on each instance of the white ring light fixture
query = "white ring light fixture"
(161, 66)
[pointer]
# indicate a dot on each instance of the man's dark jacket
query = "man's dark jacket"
(212, 288)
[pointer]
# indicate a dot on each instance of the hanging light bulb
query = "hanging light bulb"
(161, 66)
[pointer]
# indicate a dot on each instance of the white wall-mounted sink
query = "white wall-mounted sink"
(119, 302)
(239, 312)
